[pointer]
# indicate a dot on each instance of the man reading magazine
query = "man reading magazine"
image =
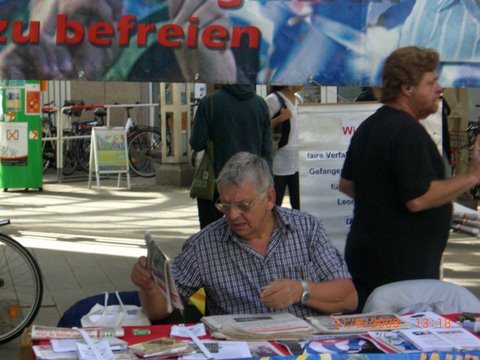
(258, 258)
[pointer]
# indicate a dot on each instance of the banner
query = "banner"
(327, 42)
(324, 132)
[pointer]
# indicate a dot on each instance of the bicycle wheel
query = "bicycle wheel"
(83, 152)
(145, 152)
(21, 288)
(70, 160)
(48, 155)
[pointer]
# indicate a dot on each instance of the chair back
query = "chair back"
(422, 295)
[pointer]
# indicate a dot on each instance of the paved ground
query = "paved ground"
(86, 240)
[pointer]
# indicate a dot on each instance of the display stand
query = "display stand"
(20, 135)
(109, 154)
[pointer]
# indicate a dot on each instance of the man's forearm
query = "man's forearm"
(333, 296)
(441, 192)
(154, 304)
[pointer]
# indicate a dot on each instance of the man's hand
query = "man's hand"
(281, 294)
(141, 276)
(153, 302)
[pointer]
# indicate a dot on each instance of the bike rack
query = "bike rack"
(62, 119)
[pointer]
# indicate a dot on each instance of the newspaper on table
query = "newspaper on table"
(359, 323)
(258, 326)
(159, 265)
(465, 220)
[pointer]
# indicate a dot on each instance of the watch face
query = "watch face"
(305, 296)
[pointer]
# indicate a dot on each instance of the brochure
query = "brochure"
(339, 344)
(442, 339)
(222, 350)
(391, 342)
(40, 332)
(263, 349)
(159, 264)
(161, 347)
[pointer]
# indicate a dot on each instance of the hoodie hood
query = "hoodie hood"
(242, 92)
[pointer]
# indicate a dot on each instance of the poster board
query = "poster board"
(109, 153)
(324, 133)
(14, 143)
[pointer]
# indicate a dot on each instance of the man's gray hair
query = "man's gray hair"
(244, 167)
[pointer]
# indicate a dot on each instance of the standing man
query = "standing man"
(396, 175)
(236, 119)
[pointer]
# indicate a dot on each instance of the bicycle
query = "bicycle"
(473, 129)
(21, 287)
(144, 147)
(83, 145)
(49, 145)
(78, 150)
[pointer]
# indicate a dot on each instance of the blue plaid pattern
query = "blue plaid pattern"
(232, 273)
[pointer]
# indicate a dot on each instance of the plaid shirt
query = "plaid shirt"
(233, 273)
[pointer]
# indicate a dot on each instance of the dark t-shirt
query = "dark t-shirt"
(392, 159)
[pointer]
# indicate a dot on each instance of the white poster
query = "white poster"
(324, 135)
(14, 143)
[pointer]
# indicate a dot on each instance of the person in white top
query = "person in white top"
(285, 161)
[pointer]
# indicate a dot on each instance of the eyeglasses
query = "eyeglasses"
(240, 207)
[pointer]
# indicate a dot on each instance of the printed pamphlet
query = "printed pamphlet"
(391, 342)
(442, 339)
(40, 332)
(161, 347)
(338, 344)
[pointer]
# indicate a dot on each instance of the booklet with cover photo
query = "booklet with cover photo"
(159, 265)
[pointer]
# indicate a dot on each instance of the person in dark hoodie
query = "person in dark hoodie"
(239, 121)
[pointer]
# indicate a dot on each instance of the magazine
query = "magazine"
(258, 326)
(222, 350)
(338, 344)
(391, 342)
(442, 339)
(161, 347)
(360, 323)
(159, 264)
(263, 349)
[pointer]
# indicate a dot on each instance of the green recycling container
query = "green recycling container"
(20, 135)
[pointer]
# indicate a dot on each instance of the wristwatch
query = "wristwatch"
(305, 294)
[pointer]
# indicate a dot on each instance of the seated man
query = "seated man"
(258, 258)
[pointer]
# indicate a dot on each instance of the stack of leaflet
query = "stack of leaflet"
(258, 326)
(466, 220)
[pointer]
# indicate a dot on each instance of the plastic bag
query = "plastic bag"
(114, 315)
